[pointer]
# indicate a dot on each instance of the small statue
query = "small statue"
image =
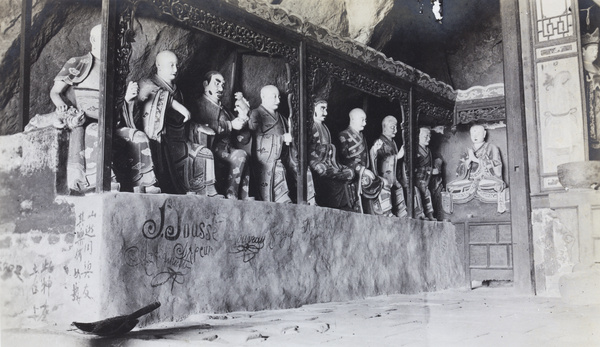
(81, 75)
(427, 170)
(182, 167)
(479, 173)
(271, 150)
(354, 153)
(230, 139)
(386, 156)
(333, 186)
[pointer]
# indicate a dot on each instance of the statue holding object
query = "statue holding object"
(156, 105)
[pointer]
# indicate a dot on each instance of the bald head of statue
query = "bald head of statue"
(96, 40)
(358, 119)
(166, 66)
(269, 96)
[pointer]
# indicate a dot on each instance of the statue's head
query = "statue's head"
(269, 96)
(96, 40)
(166, 65)
(389, 126)
(424, 136)
(320, 111)
(478, 133)
(358, 119)
(214, 84)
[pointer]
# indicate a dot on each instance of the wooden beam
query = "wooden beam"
(518, 165)
(107, 94)
(25, 64)
(301, 186)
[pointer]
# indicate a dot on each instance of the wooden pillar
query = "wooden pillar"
(410, 154)
(301, 191)
(107, 94)
(25, 66)
(518, 166)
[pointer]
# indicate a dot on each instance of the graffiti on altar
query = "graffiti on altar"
(171, 229)
(279, 238)
(247, 247)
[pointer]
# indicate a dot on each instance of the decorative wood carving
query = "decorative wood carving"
(431, 114)
(484, 114)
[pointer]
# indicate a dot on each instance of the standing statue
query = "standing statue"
(333, 181)
(427, 173)
(182, 167)
(386, 156)
(271, 149)
(479, 173)
(354, 153)
(80, 78)
(231, 136)
(589, 43)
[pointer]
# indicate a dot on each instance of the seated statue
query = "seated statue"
(427, 174)
(156, 105)
(373, 192)
(479, 172)
(231, 136)
(332, 180)
(386, 155)
(271, 151)
(79, 80)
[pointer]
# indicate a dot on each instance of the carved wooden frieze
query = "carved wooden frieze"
(352, 79)
(429, 113)
(201, 19)
(482, 114)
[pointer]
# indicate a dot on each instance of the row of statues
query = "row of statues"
(164, 144)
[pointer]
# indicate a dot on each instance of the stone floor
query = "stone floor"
(484, 316)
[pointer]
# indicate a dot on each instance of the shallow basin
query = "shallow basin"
(579, 174)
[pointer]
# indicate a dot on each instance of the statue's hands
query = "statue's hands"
(62, 108)
(131, 92)
(320, 168)
(238, 123)
(287, 138)
(401, 153)
(177, 106)
(472, 157)
(205, 129)
(369, 174)
(242, 106)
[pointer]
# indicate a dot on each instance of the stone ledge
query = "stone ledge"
(196, 255)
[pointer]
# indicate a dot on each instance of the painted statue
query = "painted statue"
(589, 43)
(231, 136)
(386, 158)
(333, 181)
(156, 105)
(427, 175)
(271, 149)
(373, 195)
(78, 83)
(479, 173)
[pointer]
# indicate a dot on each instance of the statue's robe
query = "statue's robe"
(333, 181)
(423, 177)
(374, 196)
(270, 156)
(132, 160)
(481, 180)
(182, 167)
(386, 165)
(227, 145)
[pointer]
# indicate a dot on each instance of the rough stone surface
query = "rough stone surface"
(197, 254)
(32, 173)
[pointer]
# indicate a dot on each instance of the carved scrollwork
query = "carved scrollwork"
(431, 114)
(352, 79)
(124, 39)
(483, 114)
(203, 20)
